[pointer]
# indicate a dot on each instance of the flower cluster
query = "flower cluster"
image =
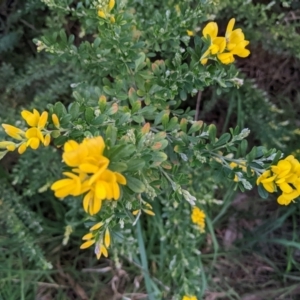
(198, 218)
(224, 48)
(285, 176)
(33, 136)
(189, 297)
(90, 174)
(105, 9)
(99, 237)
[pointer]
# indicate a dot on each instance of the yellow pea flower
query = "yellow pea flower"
(13, 132)
(198, 217)
(55, 120)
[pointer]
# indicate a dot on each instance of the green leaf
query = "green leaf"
(243, 147)
(2, 154)
(277, 157)
(135, 164)
(212, 132)
(138, 62)
(99, 120)
(262, 192)
(74, 109)
(251, 156)
(118, 166)
(59, 109)
(108, 90)
(135, 184)
(224, 138)
(89, 115)
(132, 95)
(121, 151)
(159, 156)
(97, 42)
(183, 95)
(63, 36)
(111, 134)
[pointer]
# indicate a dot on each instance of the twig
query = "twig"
(198, 105)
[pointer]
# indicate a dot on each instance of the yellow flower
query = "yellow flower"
(217, 44)
(9, 146)
(267, 181)
(189, 297)
(101, 14)
(33, 136)
(22, 148)
(107, 238)
(100, 249)
(92, 178)
(55, 120)
(287, 198)
(111, 4)
(241, 165)
(69, 186)
(94, 237)
(286, 176)
(189, 32)
(104, 10)
(13, 132)
(198, 217)
(96, 226)
(235, 44)
(31, 118)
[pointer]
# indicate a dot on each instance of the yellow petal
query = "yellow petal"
(55, 120)
(31, 119)
(269, 179)
(96, 226)
(11, 147)
(103, 250)
(236, 36)
(211, 30)
(70, 146)
(5, 144)
(87, 244)
(87, 199)
(22, 148)
(120, 178)
(111, 4)
(112, 19)
(107, 238)
(101, 14)
(116, 190)
(204, 61)
(241, 52)
(43, 120)
(47, 140)
(149, 212)
(285, 187)
(96, 206)
(230, 27)
(13, 131)
(189, 32)
(88, 168)
(135, 212)
(100, 190)
(33, 142)
(221, 43)
(269, 186)
(99, 172)
(226, 58)
(88, 236)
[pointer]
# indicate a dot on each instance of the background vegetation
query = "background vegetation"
(253, 250)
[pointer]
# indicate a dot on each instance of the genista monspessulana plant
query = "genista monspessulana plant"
(103, 125)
